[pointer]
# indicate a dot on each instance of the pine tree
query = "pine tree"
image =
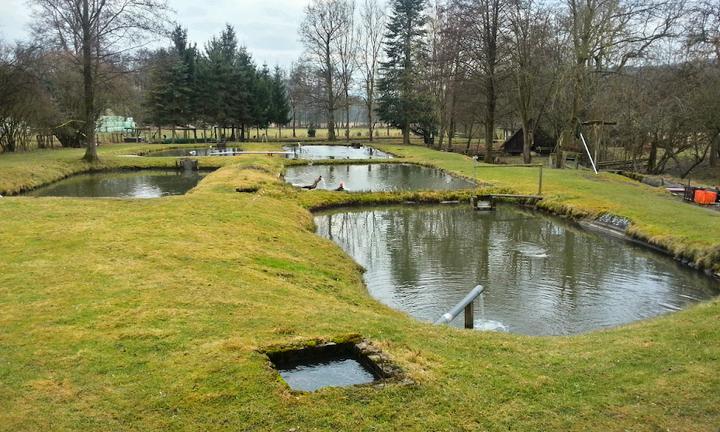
(169, 96)
(400, 101)
(244, 79)
(217, 74)
(188, 54)
(279, 103)
(261, 96)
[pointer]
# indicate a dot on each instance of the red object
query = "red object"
(705, 197)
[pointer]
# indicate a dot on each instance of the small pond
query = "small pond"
(326, 365)
(334, 152)
(338, 372)
(122, 184)
(196, 151)
(543, 276)
(376, 177)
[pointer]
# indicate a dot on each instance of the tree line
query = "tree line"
(87, 57)
(637, 77)
(218, 86)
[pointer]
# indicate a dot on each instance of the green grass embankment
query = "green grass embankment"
(148, 314)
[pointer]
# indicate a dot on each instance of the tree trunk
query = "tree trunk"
(528, 138)
(88, 85)
(406, 134)
(369, 105)
(490, 120)
(330, 93)
(652, 159)
(347, 114)
(714, 149)
(469, 132)
(294, 134)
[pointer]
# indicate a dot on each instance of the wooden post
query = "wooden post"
(540, 181)
(469, 316)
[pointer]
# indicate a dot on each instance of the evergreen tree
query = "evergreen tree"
(188, 54)
(217, 74)
(261, 95)
(279, 103)
(400, 101)
(169, 96)
(244, 80)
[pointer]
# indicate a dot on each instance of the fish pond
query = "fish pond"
(543, 276)
(196, 151)
(122, 184)
(317, 152)
(376, 177)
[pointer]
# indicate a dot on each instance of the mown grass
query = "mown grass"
(148, 314)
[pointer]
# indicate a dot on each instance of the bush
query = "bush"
(311, 132)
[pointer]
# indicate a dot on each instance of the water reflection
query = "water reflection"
(544, 277)
(135, 184)
(376, 177)
(334, 152)
(197, 151)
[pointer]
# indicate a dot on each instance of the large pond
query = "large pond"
(543, 276)
(334, 152)
(376, 177)
(196, 151)
(123, 184)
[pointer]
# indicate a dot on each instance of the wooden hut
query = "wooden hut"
(544, 143)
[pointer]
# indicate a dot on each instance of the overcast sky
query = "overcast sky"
(267, 27)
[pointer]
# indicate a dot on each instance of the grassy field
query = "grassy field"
(148, 314)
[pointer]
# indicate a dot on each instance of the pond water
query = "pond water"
(196, 151)
(334, 152)
(376, 177)
(543, 276)
(122, 184)
(338, 372)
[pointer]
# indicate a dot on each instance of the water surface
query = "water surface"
(376, 177)
(196, 151)
(338, 372)
(542, 275)
(123, 184)
(334, 152)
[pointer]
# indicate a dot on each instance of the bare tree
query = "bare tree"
(323, 26)
(347, 49)
(96, 32)
(703, 40)
(371, 34)
(24, 101)
(534, 62)
(605, 35)
(296, 92)
(483, 24)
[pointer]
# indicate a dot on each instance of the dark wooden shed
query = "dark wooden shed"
(544, 143)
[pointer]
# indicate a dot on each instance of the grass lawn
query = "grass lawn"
(148, 314)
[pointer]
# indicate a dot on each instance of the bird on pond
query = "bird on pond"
(314, 185)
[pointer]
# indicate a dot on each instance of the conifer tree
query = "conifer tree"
(169, 97)
(400, 103)
(279, 103)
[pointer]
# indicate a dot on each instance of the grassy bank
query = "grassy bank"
(148, 314)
